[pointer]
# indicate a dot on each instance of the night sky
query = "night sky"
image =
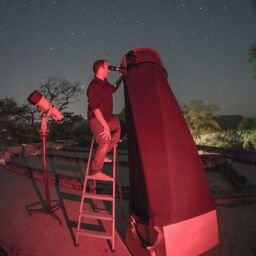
(203, 43)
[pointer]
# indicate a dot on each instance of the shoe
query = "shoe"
(99, 175)
(93, 173)
(107, 160)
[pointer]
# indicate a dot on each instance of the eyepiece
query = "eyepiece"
(114, 68)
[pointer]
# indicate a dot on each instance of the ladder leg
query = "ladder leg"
(92, 184)
(114, 199)
(84, 190)
(119, 186)
(89, 157)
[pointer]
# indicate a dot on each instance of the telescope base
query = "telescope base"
(47, 208)
(193, 237)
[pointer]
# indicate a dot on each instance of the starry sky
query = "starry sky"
(203, 44)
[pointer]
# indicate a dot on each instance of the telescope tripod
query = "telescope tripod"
(48, 206)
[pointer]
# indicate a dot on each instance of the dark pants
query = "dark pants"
(104, 145)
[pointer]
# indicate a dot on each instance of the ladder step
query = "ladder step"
(99, 178)
(96, 234)
(98, 196)
(97, 215)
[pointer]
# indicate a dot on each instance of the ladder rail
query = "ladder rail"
(114, 196)
(89, 157)
(84, 189)
(119, 185)
(95, 196)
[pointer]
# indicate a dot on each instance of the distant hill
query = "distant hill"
(229, 122)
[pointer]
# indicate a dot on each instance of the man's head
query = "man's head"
(100, 69)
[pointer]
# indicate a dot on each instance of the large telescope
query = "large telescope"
(172, 211)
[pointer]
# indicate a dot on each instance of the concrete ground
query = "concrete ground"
(22, 234)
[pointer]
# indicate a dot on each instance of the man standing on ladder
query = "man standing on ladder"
(103, 124)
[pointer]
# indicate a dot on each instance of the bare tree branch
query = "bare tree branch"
(60, 91)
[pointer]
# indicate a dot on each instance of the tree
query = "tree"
(248, 139)
(58, 91)
(247, 132)
(73, 127)
(247, 123)
(200, 118)
(9, 110)
(30, 114)
(252, 59)
(14, 123)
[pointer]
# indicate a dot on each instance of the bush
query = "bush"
(248, 139)
(224, 139)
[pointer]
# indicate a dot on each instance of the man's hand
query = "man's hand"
(106, 133)
(119, 81)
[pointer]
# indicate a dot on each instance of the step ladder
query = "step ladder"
(90, 194)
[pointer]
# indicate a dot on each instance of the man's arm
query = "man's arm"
(106, 132)
(118, 82)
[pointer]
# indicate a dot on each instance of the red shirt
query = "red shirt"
(99, 95)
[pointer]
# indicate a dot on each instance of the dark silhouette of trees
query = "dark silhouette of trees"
(31, 113)
(20, 124)
(247, 123)
(73, 127)
(10, 111)
(15, 127)
(200, 118)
